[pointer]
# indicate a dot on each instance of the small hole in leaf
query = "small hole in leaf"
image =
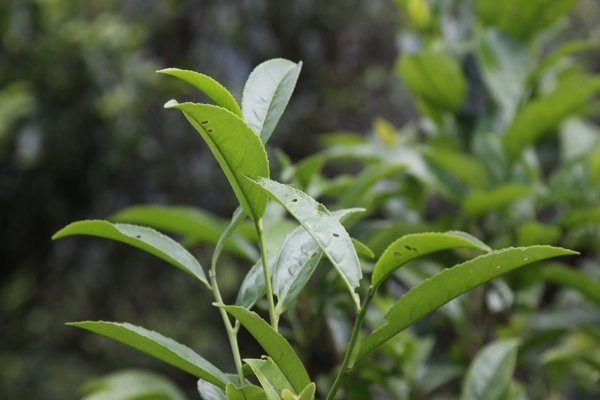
(138, 236)
(209, 131)
(313, 255)
(204, 122)
(526, 259)
(397, 254)
(295, 200)
(415, 249)
(499, 266)
(336, 235)
(408, 247)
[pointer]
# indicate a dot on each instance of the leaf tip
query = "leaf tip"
(171, 103)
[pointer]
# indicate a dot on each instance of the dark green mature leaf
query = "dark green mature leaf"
(416, 245)
(367, 177)
(565, 276)
(250, 392)
(434, 77)
(208, 86)
(275, 345)
(195, 224)
(451, 283)
(237, 149)
(141, 237)
(252, 288)
(266, 94)
(208, 391)
(158, 346)
(324, 228)
(464, 166)
(490, 373)
(480, 202)
(131, 384)
(543, 115)
(270, 376)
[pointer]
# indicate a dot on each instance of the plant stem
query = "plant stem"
(231, 332)
(267, 275)
(345, 370)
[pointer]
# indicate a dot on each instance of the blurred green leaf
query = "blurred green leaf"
(237, 149)
(558, 54)
(131, 385)
(250, 392)
(252, 288)
(141, 237)
(530, 233)
(563, 275)
(266, 94)
(270, 376)
(480, 202)
(365, 180)
(577, 136)
(208, 391)
(362, 249)
(208, 86)
(490, 374)
(275, 345)
(465, 167)
(307, 168)
(158, 346)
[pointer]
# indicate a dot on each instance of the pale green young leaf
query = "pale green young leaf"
(208, 86)
(250, 392)
(237, 149)
(490, 374)
(367, 178)
(270, 376)
(416, 245)
(562, 275)
(479, 202)
(252, 288)
(451, 283)
(195, 224)
(434, 77)
(464, 166)
(275, 345)
(208, 391)
(158, 346)
(308, 393)
(307, 168)
(362, 249)
(131, 384)
(267, 93)
(141, 237)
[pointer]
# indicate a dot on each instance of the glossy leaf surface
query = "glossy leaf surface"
(250, 392)
(130, 385)
(451, 283)
(416, 245)
(490, 373)
(141, 237)
(275, 345)
(270, 376)
(208, 391)
(324, 228)
(237, 149)
(480, 202)
(158, 346)
(266, 94)
(195, 224)
(208, 86)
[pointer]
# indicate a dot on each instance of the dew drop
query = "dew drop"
(526, 259)
(499, 266)
(397, 254)
(336, 235)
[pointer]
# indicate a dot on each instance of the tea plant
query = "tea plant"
(236, 136)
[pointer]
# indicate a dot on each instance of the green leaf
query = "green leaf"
(569, 354)
(252, 288)
(530, 233)
(307, 394)
(275, 345)
(514, 391)
(451, 283)
(158, 346)
(434, 77)
(464, 166)
(362, 249)
(270, 376)
(141, 237)
(250, 392)
(558, 54)
(208, 86)
(208, 391)
(195, 224)
(324, 228)
(131, 385)
(237, 218)
(577, 137)
(237, 149)
(490, 373)
(543, 115)
(307, 168)
(365, 180)
(581, 216)
(565, 276)
(266, 94)
(480, 202)
(416, 245)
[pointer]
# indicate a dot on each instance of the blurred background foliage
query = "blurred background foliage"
(83, 134)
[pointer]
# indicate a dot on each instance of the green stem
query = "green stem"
(231, 332)
(346, 370)
(265, 263)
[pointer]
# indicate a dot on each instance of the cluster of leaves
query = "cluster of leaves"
(236, 136)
